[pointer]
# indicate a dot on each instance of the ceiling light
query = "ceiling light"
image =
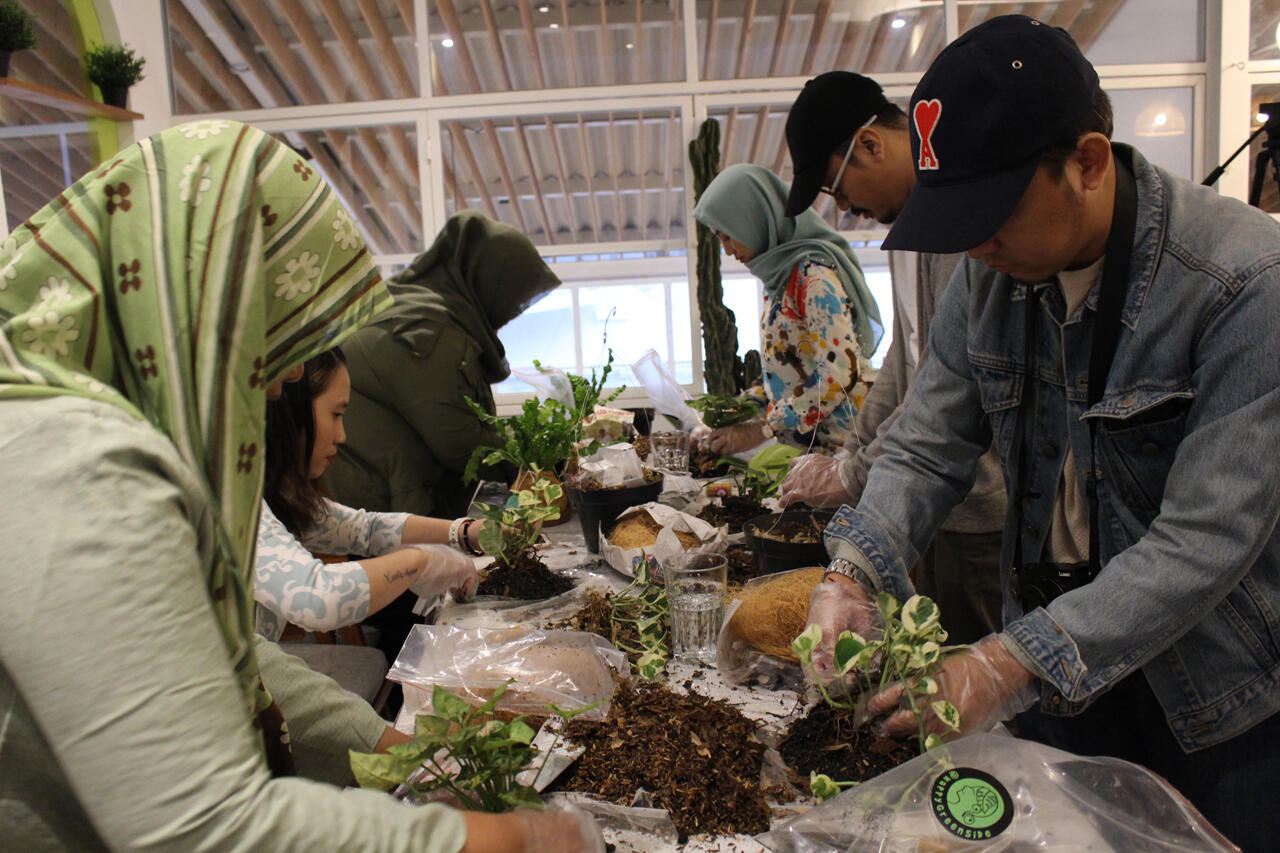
(1261, 118)
(446, 42)
(554, 25)
(544, 8)
(898, 23)
(630, 46)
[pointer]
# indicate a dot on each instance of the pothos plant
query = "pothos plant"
(754, 484)
(643, 606)
(511, 529)
(464, 750)
(910, 650)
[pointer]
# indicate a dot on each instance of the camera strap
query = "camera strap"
(1106, 336)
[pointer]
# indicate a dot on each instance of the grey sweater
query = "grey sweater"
(984, 509)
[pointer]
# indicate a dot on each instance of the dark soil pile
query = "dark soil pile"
(528, 579)
(742, 564)
(696, 756)
(826, 741)
(794, 530)
(732, 510)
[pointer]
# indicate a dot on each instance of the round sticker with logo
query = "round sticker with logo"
(971, 804)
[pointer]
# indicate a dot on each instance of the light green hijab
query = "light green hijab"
(746, 202)
(479, 275)
(176, 281)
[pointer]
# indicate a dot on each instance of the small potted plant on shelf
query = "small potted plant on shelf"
(113, 69)
(16, 32)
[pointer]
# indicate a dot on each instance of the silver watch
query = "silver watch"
(851, 570)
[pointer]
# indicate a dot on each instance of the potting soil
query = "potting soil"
(826, 740)
(528, 579)
(697, 757)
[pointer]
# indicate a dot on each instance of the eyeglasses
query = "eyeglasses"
(834, 188)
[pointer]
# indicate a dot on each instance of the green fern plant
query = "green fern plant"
(110, 65)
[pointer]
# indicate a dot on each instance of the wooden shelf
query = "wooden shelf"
(24, 91)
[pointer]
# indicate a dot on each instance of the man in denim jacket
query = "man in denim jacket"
(1170, 656)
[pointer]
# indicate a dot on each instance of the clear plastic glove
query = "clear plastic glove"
(446, 570)
(736, 438)
(814, 479)
(986, 684)
(698, 436)
(562, 828)
(837, 605)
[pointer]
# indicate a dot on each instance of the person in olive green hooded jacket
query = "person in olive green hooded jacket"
(409, 429)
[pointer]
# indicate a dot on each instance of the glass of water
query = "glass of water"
(696, 590)
(670, 450)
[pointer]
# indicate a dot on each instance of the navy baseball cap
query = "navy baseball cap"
(827, 111)
(983, 116)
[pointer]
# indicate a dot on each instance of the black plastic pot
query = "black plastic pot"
(774, 555)
(598, 508)
(115, 96)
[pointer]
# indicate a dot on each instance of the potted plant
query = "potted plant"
(509, 534)
(113, 69)
(16, 32)
(834, 737)
(535, 441)
(756, 480)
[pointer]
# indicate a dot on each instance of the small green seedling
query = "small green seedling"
(468, 752)
(643, 604)
(823, 787)
(910, 650)
(512, 529)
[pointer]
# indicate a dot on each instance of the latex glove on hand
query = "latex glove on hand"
(698, 436)
(562, 828)
(729, 440)
(446, 570)
(814, 479)
(836, 605)
(985, 684)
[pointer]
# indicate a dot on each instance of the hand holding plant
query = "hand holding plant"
(511, 530)
(985, 684)
(906, 655)
(837, 606)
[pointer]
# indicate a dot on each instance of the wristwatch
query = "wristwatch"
(851, 570)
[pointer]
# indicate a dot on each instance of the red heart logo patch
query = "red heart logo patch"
(926, 115)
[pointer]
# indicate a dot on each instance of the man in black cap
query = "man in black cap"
(1114, 331)
(847, 140)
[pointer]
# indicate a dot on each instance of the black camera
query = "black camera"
(1036, 584)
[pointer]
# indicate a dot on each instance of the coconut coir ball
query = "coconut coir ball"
(774, 611)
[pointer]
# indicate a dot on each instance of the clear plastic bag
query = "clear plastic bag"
(993, 792)
(569, 668)
(551, 383)
(739, 653)
(667, 395)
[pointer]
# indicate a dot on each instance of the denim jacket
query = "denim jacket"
(1187, 456)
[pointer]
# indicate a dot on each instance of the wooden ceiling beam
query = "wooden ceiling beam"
(324, 68)
(1093, 22)
(449, 16)
(713, 27)
(461, 146)
(780, 40)
(266, 77)
(586, 173)
(495, 41)
(615, 172)
(607, 77)
(513, 198)
(531, 36)
(640, 149)
(554, 141)
(670, 149)
(533, 177)
(318, 149)
(819, 29)
(405, 8)
(451, 181)
(205, 96)
(39, 67)
(574, 71)
(850, 40)
(748, 20)
(281, 53)
(376, 155)
(234, 88)
(406, 86)
(757, 136)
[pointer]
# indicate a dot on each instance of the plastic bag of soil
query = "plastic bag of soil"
(993, 792)
(754, 646)
(569, 668)
(660, 532)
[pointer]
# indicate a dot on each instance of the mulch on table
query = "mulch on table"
(697, 757)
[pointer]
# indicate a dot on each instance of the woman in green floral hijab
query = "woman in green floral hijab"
(176, 282)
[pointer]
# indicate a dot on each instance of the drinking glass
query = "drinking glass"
(671, 450)
(696, 591)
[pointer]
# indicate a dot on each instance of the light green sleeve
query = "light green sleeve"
(108, 635)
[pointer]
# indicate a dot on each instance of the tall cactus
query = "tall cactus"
(724, 372)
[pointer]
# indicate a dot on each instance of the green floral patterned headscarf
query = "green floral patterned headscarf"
(176, 281)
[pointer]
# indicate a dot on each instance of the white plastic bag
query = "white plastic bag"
(667, 395)
(993, 792)
(551, 383)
